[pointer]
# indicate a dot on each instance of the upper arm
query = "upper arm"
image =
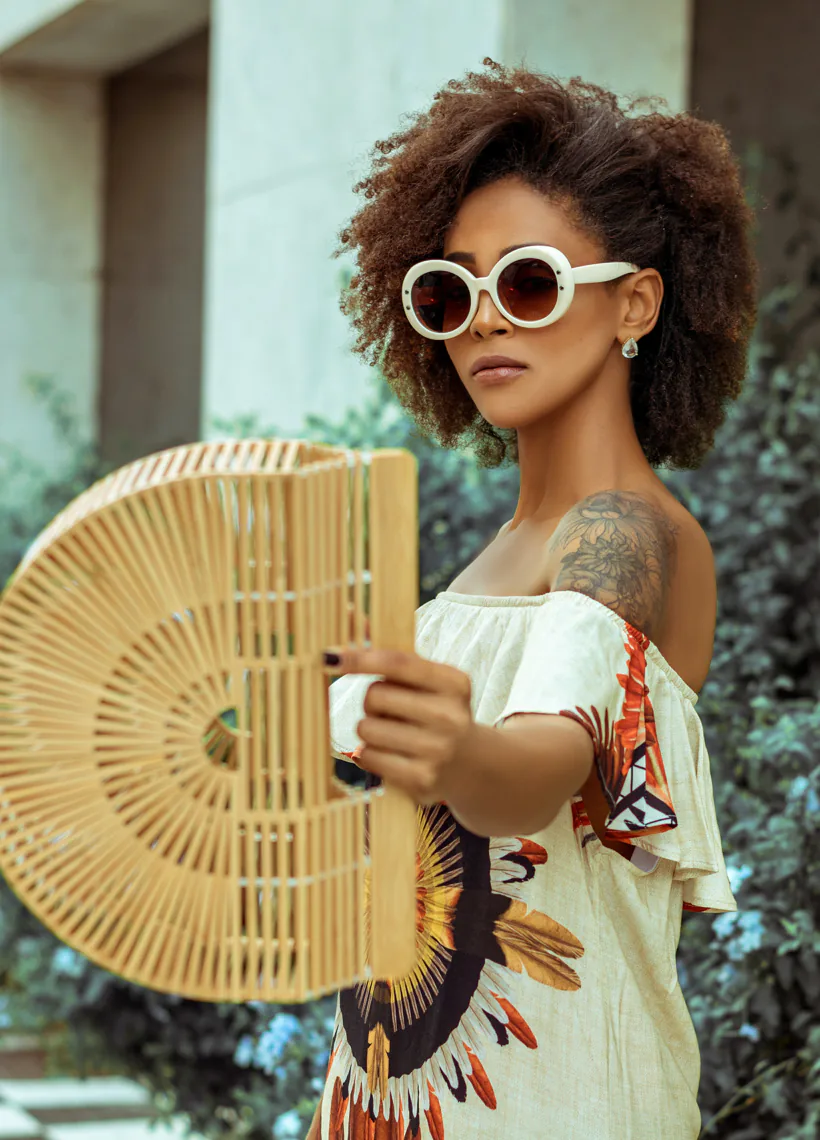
(620, 548)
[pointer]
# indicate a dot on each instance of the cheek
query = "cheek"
(582, 338)
(458, 349)
(569, 347)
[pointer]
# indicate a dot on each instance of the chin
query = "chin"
(498, 419)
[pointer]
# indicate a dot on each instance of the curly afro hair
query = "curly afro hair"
(657, 190)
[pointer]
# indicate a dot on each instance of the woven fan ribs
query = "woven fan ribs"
(166, 799)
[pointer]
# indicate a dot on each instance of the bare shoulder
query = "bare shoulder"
(621, 547)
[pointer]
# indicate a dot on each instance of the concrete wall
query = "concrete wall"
(299, 95)
(639, 48)
(154, 235)
(50, 252)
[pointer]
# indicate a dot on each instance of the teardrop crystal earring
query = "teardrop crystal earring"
(630, 348)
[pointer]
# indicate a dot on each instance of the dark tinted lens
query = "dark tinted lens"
(441, 300)
(528, 289)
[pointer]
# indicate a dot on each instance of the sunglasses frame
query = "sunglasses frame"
(566, 275)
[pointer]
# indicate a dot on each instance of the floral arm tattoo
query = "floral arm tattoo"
(619, 548)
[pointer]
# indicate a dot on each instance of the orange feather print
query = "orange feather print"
(516, 1024)
(479, 1080)
(433, 1115)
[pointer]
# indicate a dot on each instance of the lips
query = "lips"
(485, 363)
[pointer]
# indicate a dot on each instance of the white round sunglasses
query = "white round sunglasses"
(532, 286)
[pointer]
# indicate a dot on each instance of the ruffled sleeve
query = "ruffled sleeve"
(346, 705)
(346, 695)
(582, 660)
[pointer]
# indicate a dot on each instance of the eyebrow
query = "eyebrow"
(462, 256)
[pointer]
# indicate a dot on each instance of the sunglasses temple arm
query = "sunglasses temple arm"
(606, 271)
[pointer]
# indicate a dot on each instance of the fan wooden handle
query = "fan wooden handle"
(393, 601)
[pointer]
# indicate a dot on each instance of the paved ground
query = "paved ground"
(101, 1108)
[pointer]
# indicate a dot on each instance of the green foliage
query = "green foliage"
(757, 496)
(752, 980)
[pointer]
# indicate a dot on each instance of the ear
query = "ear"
(642, 304)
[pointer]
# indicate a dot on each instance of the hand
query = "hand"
(419, 720)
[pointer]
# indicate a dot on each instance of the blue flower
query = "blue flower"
(750, 1031)
(273, 1042)
(738, 875)
(725, 923)
(288, 1126)
(68, 962)
(244, 1052)
(726, 974)
(799, 786)
(751, 935)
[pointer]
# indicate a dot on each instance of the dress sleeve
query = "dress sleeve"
(346, 697)
(579, 662)
(346, 707)
(582, 660)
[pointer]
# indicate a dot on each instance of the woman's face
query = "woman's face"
(561, 359)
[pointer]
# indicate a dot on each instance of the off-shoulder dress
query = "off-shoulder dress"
(546, 999)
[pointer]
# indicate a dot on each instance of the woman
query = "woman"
(546, 724)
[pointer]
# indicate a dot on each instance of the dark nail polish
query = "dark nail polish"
(331, 658)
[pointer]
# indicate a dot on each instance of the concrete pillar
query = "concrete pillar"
(299, 95)
(50, 252)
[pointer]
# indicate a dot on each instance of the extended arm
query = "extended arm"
(514, 781)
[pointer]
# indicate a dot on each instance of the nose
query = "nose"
(488, 319)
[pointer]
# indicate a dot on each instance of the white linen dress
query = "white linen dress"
(545, 1001)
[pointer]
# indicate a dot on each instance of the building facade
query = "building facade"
(174, 175)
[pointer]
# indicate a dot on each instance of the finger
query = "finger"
(407, 775)
(397, 702)
(409, 669)
(398, 736)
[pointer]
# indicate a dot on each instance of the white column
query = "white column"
(299, 94)
(632, 47)
(50, 195)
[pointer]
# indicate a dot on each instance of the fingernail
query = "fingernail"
(330, 658)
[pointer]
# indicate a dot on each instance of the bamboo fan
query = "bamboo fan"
(167, 804)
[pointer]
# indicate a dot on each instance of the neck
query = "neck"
(587, 445)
